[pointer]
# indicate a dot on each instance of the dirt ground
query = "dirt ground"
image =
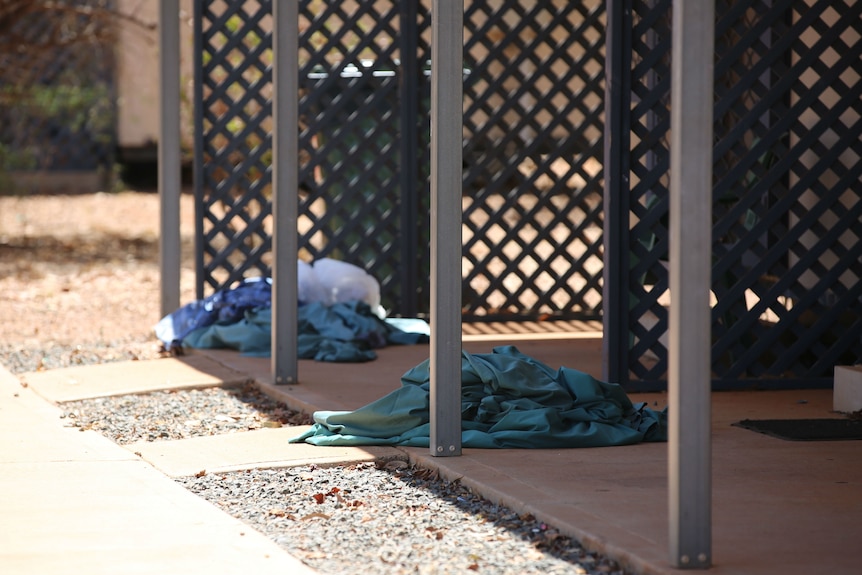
(81, 272)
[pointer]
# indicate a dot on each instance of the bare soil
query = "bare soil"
(79, 276)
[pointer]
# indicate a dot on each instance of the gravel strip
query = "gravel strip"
(392, 518)
(166, 415)
(22, 359)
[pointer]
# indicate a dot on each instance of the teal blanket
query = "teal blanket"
(342, 332)
(508, 399)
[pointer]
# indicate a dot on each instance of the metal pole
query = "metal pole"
(169, 175)
(447, 112)
(617, 189)
(689, 457)
(198, 98)
(410, 184)
(285, 190)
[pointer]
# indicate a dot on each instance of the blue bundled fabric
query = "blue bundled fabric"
(225, 306)
(241, 318)
(508, 400)
(339, 315)
(342, 332)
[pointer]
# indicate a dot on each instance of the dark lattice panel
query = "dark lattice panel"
(364, 164)
(234, 145)
(647, 279)
(534, 96)
(349, 161)
(417, 263)
(57, 109)
(787, 178)
(351, 137)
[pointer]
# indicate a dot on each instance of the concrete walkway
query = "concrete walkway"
(74, 502)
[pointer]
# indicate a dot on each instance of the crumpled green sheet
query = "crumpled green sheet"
(343, 332)
(508, 399)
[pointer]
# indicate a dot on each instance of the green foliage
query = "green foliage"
(77, 108)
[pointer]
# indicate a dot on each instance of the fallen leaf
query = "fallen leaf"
(314, 515)
(201, 473)
(336, 491)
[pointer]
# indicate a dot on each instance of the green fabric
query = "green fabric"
(508, 399)
(343, 332)
(250, 335)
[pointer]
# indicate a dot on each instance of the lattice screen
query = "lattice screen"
(533, 133)
(233, 143)
(351, 139)
(788, 161)
(533, 152)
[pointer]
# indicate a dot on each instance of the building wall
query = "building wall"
(137, 74)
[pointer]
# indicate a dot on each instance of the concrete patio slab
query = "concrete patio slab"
(262, 448)
(127, 377)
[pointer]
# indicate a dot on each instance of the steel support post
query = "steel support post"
(169, 155)
(410, 185)
(617, 189)
(689, 457)
(447, 112)
(285, 190)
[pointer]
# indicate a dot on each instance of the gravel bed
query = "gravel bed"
(22, 359)
(167, 415)
(392, 518)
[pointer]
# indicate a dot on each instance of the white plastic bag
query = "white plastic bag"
(343, 282)
(330, 281)
(308, 287)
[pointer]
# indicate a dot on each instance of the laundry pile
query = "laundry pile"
(508, 399)
(339, 317)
